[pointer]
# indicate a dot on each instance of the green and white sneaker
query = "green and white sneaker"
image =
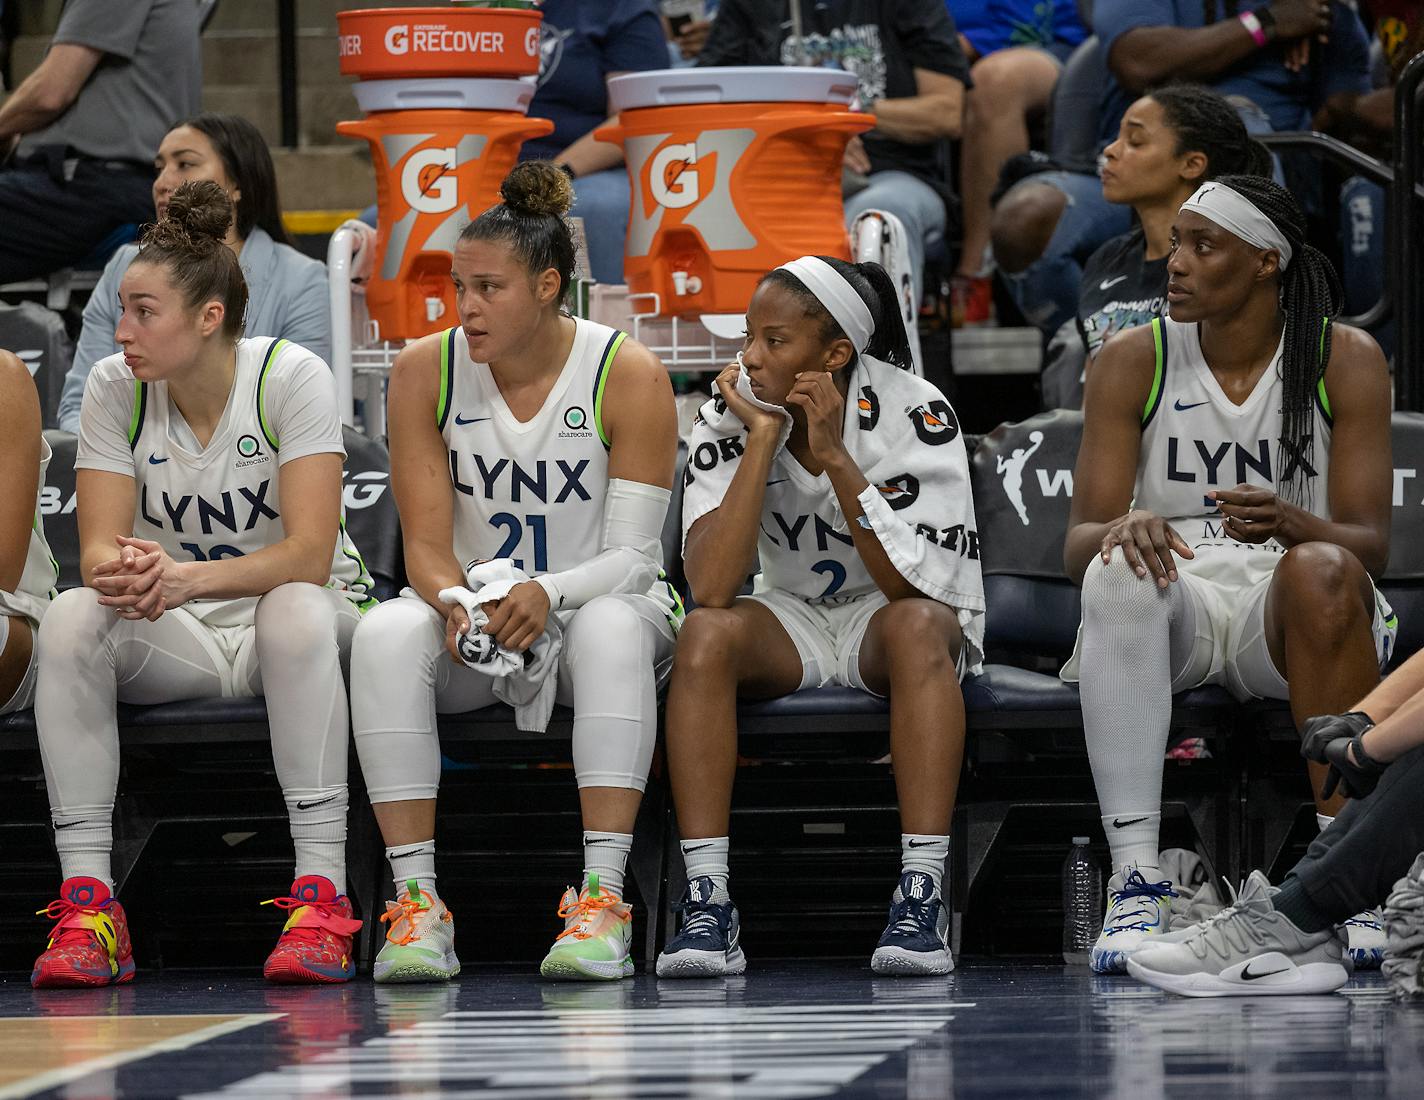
(598, 930)
(420, 943)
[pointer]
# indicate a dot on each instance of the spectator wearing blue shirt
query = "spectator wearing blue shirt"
(1280, 63)
(1016, 50)
(583, 45)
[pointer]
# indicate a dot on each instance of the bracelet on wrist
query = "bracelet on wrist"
(567, 170)
(1254, 27)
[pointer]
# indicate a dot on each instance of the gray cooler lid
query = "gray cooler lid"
(752, 84)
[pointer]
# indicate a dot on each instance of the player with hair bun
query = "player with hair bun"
(545, 442)
(216, 563)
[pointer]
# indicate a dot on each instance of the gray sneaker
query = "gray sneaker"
(1404, 927)
(1246, 950)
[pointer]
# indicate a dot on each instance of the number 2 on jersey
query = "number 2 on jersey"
(511, 524)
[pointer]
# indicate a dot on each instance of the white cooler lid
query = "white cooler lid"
(436, 93)
(752, 84)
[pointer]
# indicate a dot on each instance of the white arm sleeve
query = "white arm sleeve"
(632, 552)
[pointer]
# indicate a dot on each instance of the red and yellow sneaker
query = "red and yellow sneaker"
(315, 946)
(89, 944)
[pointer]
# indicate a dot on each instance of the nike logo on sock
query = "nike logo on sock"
(921, 843)
(318, 802)
(1130, 821)
(597, 840)
(698, 848)
(67, 824)
(1247, 976)
(412, 852)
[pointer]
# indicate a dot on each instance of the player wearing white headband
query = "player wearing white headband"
(846, 476)
(1231, 510)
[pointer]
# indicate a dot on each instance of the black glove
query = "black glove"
(1333, 739)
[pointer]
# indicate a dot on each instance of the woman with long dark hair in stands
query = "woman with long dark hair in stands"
(287, 291)
(1231, 513)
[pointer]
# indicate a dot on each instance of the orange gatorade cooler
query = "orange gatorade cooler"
(734, 171)
(440, 145)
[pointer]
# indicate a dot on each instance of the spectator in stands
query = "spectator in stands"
(687, 24)
(1170, 142)
(1247, 395)
(216, 564)
(287, 290)
(27, 572)
(1016, 49)
(870, 581)
(912, 74)
(583, 46)
(86, 123)
(564, 434)
(1046, 226)
(1373, 850)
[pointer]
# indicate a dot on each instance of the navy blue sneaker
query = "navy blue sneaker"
(707, 943)
(916, 941)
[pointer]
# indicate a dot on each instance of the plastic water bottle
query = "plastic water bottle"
(1082, 903)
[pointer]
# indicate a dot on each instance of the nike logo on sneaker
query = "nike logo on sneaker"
(1183, 408)
(1247, 976)
(1130, 821)
(154, 460)
(1106, 283)
(318, 802)
(473, 420)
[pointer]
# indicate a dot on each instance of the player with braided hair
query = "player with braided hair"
(1231, 511)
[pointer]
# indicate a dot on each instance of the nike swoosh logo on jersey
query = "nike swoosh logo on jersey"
(1124, 824)
(473, 420)
(1106, 283)
(1183, 408)
(154, 460)
(318, 802)
(778, 481)
(1247, 976)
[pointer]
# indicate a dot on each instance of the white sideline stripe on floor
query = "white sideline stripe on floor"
(57, 1077)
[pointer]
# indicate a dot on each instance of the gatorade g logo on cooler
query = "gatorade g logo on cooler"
(428, 180)
(437, 38)
(687, 183)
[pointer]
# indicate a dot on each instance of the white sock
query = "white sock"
(706, 857)
(318, 820)
(1136, 639)
(413, 861)
(606, 854)
(84, 842)
(1132, 838)
(1323, 821)
(924, 853)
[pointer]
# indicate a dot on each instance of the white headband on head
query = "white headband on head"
(841, 300)
(1238, 215)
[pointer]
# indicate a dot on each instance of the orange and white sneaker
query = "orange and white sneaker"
(420, 943)
(315, 945)
(89, 944)
(598, 931)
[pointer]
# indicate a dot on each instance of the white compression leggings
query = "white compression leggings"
(90, 659)
(402, 676)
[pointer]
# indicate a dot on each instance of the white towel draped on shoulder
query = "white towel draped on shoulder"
(905, 438)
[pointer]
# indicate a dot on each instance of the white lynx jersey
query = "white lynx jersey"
(1195, 439)
(222, 500)
(532, 491)
(41, 572)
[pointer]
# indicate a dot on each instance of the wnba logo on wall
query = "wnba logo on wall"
(576, 420)
(249, 452)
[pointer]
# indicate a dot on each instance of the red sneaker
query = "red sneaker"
(315, 946)
(89, 944)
